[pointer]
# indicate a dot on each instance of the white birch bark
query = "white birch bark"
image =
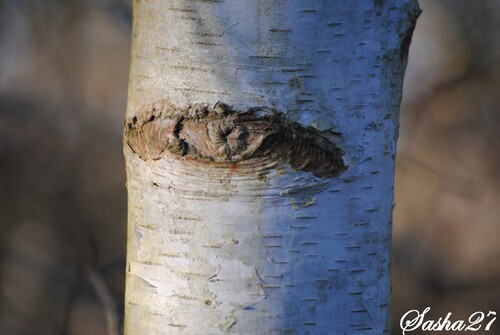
(253, 244)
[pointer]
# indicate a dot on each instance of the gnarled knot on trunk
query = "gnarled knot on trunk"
(218, 133)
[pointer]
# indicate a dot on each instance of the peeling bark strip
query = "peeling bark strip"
(219, 134)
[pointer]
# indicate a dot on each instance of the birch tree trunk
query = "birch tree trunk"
(260, 145)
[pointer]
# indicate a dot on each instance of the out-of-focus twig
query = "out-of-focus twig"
(105, 298)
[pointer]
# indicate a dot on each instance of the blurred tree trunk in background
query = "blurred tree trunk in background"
(272, 215)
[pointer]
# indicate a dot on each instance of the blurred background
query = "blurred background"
(63, 84)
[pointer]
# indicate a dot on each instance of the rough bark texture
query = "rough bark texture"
(219, 134)
(265, 221)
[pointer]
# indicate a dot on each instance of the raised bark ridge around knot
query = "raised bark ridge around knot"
(219, 134)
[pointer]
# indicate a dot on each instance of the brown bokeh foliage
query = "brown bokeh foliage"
(446, 253)
(63, 84)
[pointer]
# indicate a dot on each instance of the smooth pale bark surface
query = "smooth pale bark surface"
(254, 246)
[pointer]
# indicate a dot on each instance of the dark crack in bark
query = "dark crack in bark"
(219, 134)
(407, 31)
